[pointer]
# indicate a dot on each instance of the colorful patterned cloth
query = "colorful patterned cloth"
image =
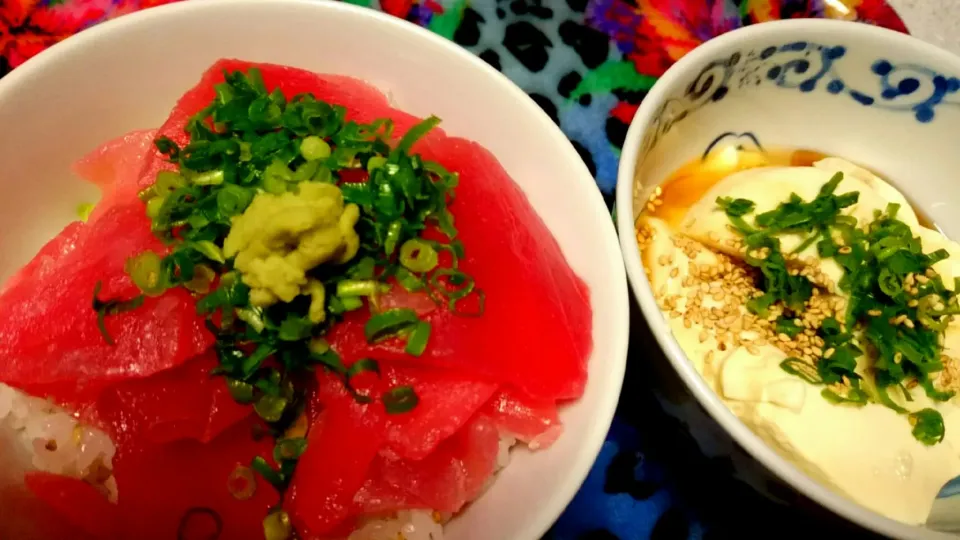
(588, 64)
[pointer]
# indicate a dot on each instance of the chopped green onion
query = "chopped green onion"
(393, 236)
(241, 483)
(805, 371)
(351, 303)
(417, 342)
(418, 256)
(105, 308)
(168, 182)
(232, 200)
(462, 283)
(416, 133)
(253, 316)
(354, 287)
(289, 449)
(145, 272)
(209, 250)
(389, 323)
(314, 148)
(928, 426)
(275, 178)
(154, 206)
(242, 392)
(400, 399)
(295, 328)
(363, 365)
(270, 408)
(264, 469)
(319, 346)
(277, 526)
(376, 162)
(409, 281)
(306, 171)
(209, 178)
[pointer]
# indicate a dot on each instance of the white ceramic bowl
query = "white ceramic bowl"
(873, 96)
(127, 74)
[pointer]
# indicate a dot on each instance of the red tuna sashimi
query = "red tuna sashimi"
(185, 402)
(173, 490)
(447, 401)
(49, 335)
(535, 333)
(86, 511)
(363, 102)
(113, 166)
(533, 422)
(342, 443)
(445, 481)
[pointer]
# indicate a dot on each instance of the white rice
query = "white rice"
(36, 435)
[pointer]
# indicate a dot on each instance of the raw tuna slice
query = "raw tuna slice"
(185, 402)
(363, 102)
(49, 334)
(80, 505)
(444, 481)
(447, 401)
(341, 445)
(114, 166)
(173, 490)
(535, 332)
(535, 423)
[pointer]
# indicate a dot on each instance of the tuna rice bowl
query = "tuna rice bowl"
(295, 312)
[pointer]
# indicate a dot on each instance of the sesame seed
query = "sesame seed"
(783, 337)
(674, 272)
(874, 313)
(829, 352)
(845, 250)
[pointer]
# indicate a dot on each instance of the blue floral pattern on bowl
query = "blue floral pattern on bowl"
(809, 67)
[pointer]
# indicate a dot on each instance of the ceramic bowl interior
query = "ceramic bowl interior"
(127, 74)
(873, 96)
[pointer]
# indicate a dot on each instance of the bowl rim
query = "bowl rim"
(672, 79)
(544, 514)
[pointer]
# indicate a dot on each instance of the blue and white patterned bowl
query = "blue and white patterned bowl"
(873, 96)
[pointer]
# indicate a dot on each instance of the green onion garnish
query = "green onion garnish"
(314, 148)
(927, 426)
(368, 287)
(418, 256)
(146, 272)
(106, 308)
(400, 399)
(289, 449)
(264, 469)
(270, 408)
(389, 324)
(241, 391)
(417, 343)
(277, 526)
